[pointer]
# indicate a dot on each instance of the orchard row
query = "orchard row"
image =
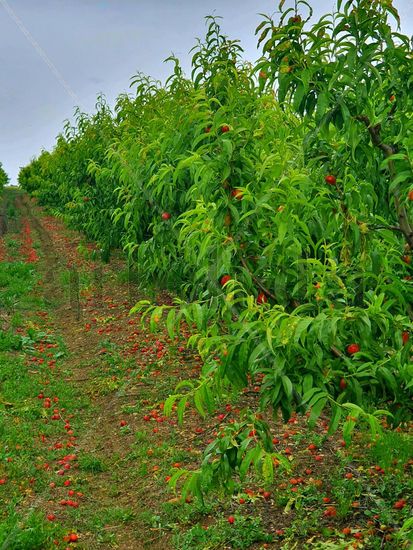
(275, 200)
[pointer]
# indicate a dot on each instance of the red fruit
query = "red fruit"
(224, 279)
(66, 483)
(410, 195)
(241, 500)
(348, 475)
(312, 447)
(400, 504)
(123, 423)
(231, 519)
(51, 517)
(346, 531)
(405, 337)
(73, 537)
(262, 298)
(353, 348)
(308, 471)
(326, 500)
(146, 418)
(2, 481)
(331, 180)
(225, 129)
(343, 384)
(319, 458)
(166, 216)
(392, 98)
(266, 495)
(237, 194)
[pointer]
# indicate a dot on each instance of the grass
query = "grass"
(26, 456)
(30, 532)
(91, 463)
(241, 535)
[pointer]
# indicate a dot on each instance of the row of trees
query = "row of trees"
(275, 199)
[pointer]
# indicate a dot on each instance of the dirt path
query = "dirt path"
(116, 491)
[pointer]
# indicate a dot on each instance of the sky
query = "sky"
(58, 54)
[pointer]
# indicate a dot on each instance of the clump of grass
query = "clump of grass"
(91, 463)
(245, 532)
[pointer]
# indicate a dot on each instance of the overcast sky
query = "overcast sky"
(55, 54)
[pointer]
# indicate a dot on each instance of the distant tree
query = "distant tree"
(4, 178)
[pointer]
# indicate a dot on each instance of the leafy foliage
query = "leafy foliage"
(294, 179)
(4, 178)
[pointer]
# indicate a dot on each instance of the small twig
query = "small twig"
(389, 227)
(337, 352)
(257, 281)
(374, 132)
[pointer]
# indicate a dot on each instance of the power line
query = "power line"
(39, 50)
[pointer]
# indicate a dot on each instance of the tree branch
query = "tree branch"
(388, 151)
(389, 227)
(257, 281)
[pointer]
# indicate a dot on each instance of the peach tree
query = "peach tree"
(304, 231)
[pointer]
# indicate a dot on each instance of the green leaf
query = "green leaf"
(268, 468)
(288, 387)
(300, 329)
(168, 405)
(181, 409)
(175, 477)
(170, 323)
(198, 403)
(250, 457)
(337, 413)
(316, 410)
